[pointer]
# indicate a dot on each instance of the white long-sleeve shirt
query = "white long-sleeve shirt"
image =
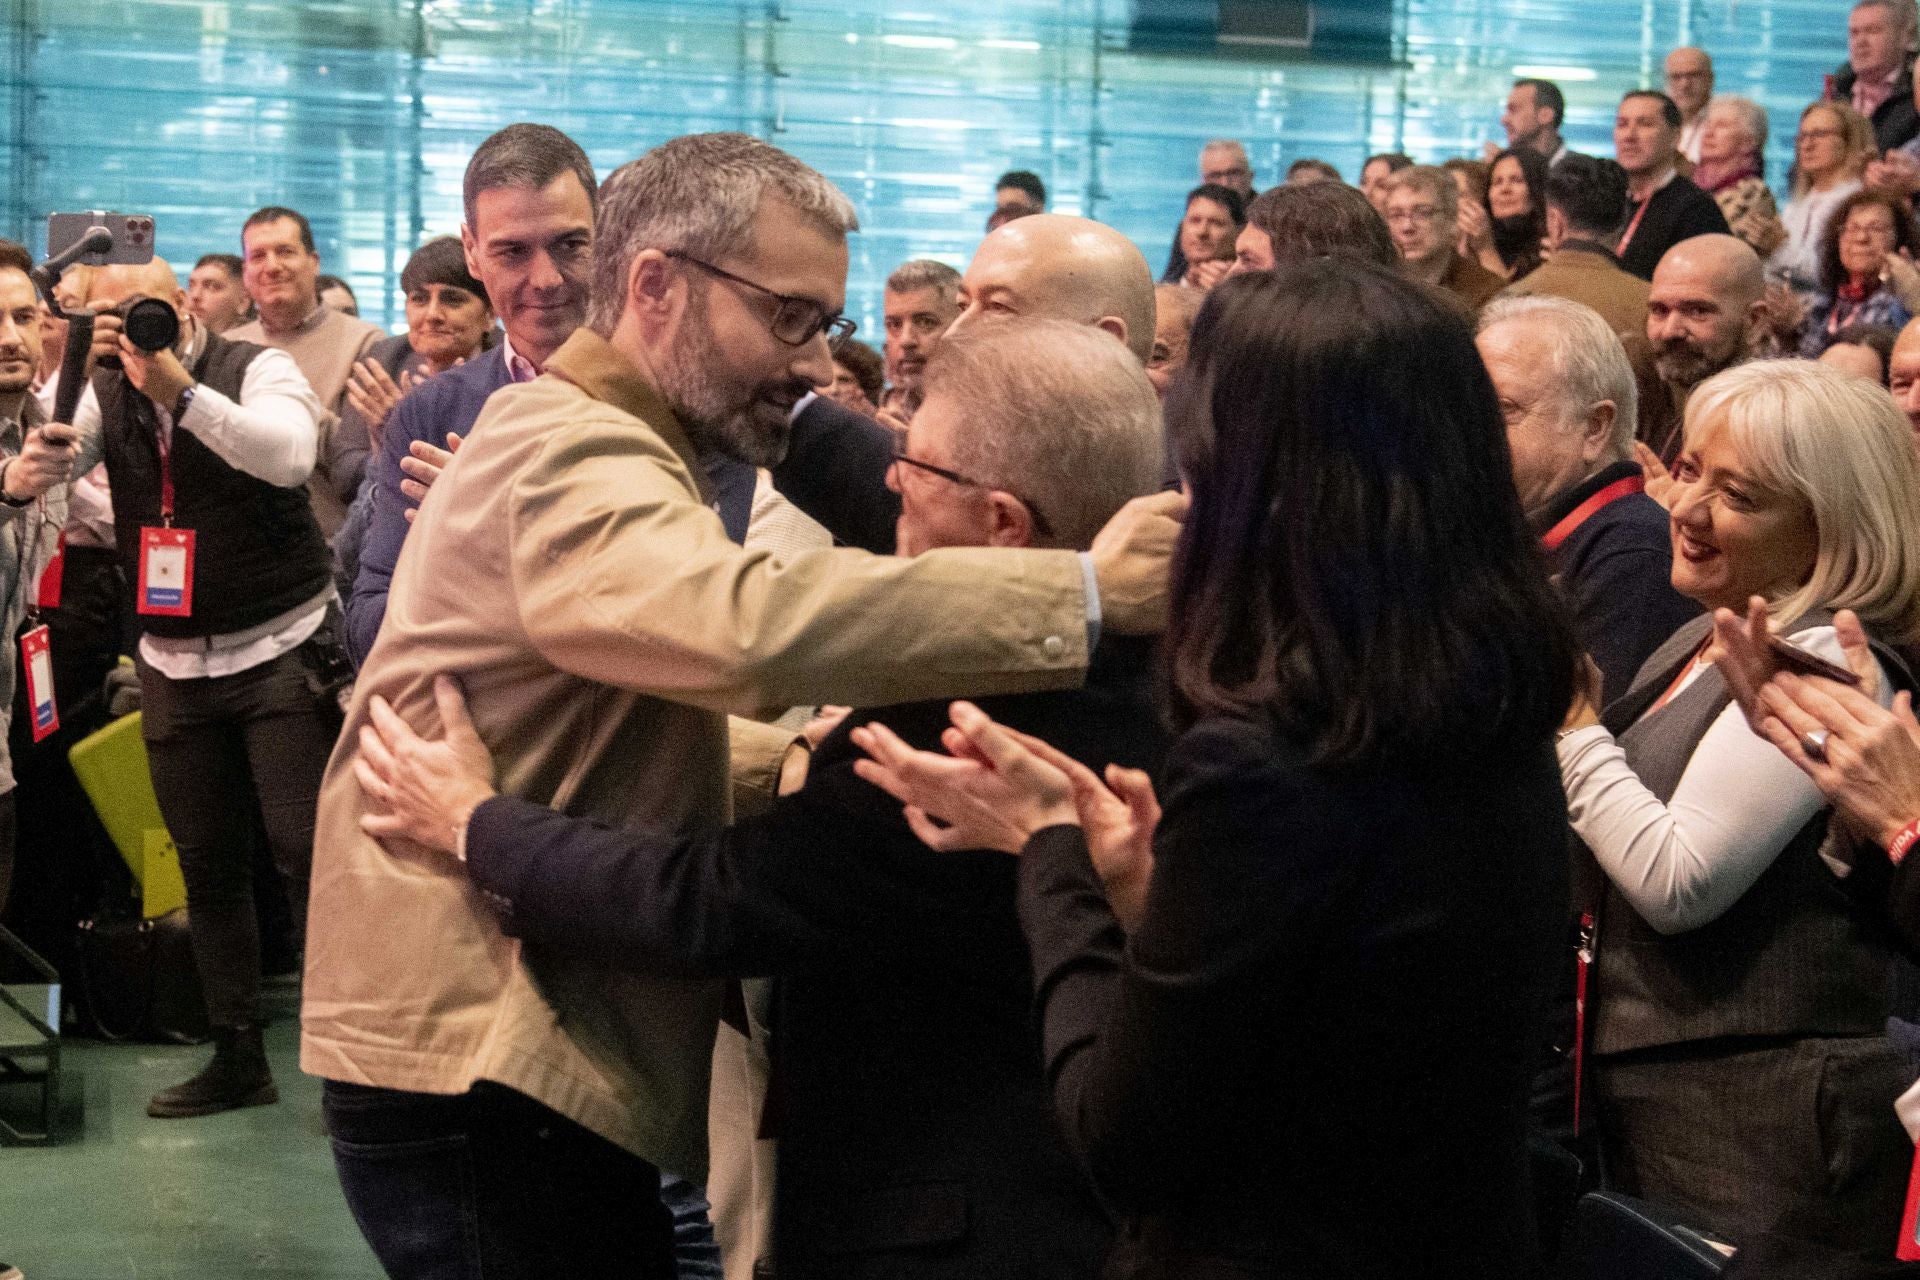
(1684, 863)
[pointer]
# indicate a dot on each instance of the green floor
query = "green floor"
(249, 1193)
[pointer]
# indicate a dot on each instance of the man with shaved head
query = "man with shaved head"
(208, 444)
(1706, 311)
(1045, 266)
(1057, 266)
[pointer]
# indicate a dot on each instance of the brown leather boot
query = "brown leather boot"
(238, 1076)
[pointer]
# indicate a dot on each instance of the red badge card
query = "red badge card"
(166, 572)
(36, 660)
(48, 597)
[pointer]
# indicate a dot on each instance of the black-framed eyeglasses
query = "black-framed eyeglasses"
(796, 321)
(1040, 525)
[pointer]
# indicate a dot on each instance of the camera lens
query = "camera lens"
(151, 325)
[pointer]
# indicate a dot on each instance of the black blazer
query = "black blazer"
(914, 1131)
(1311, 1059)
(836, 471)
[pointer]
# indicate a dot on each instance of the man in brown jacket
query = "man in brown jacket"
(508, 1107)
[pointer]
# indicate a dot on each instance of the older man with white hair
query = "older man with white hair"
(1570, 400)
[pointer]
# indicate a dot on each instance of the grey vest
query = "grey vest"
(1794, 956)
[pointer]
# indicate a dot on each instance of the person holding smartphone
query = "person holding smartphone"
(1736, 1036)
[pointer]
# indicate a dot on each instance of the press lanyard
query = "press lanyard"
(1626, 237)
(1619, 489)
(163, 440)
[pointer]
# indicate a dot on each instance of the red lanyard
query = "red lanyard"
(163, 441)
(1626, 237)
(1585, 511)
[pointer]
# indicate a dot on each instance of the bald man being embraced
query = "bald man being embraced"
(207, 445)
(1048, 266)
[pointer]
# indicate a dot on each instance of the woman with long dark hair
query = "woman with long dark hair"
(1504, 229)
(1290, 1022)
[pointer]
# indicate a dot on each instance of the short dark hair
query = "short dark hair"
(227, 262)
(1310, 165)
(1400, 609)
(1905, 236)
(441, 260)
(1320, 219)
(1669, 109)
(1394, 160)
(529, 156)
(1546, 94)
(1591, 194)
(1226, 197)
(274, 213)
(1024, 180)
(14, 257)
(866, 366)
(1877, 338)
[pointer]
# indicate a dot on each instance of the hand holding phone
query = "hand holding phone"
(1800, 661)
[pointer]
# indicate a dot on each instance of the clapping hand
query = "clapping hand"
(423, 465)
(1000, 786)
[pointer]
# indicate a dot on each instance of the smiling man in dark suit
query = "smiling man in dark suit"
(911, 1114)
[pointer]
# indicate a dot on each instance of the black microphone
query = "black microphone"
(73, 365)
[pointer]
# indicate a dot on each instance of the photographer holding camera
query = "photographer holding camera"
(208, 443)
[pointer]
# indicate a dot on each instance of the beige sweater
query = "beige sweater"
(325, 346)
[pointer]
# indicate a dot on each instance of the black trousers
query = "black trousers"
(225, 752)
(491, 1185)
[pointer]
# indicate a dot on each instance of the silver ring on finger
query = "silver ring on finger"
(1814, 743)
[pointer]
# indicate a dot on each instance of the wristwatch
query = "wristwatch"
(185, 401)
(5, 497)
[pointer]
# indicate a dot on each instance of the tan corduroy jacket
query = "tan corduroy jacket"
(567, 570)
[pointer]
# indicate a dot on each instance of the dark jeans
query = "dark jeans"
(491, 1185)
(220, 750)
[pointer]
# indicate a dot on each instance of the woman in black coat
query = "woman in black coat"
(1289, 1023)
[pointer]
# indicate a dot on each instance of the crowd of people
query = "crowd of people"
(1209, 772)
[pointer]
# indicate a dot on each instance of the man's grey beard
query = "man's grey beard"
(694, 389)
(1688, 367)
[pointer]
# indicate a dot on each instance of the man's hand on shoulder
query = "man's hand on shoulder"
(1131, 560)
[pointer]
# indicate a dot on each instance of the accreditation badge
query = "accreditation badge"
(36, 659)
(166, 572)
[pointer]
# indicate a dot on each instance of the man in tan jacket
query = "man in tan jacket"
(494, 1103)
